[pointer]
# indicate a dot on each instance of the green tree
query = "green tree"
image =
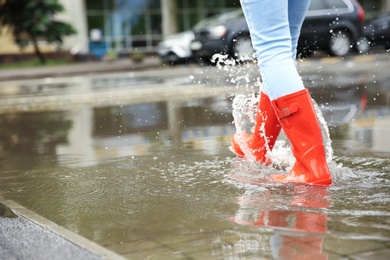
(33, 20)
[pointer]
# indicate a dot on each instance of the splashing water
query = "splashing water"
(325, 133)
(245, 77)
(337, 170)
(244, 114)
(222, 59)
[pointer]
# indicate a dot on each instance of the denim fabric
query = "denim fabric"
(275, 26)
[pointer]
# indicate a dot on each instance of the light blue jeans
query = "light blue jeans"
(275, 26)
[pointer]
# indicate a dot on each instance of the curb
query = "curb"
(79, 241)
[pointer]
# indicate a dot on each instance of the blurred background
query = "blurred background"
(115, 29)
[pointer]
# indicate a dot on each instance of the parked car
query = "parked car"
(377, 30)
(335, 26)
(176, 48)
(227, 33)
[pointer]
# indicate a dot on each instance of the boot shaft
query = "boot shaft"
(299, 121)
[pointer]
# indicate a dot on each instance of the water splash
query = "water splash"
(248, 83)
(325, 133)
(244, 114)
(222, 59)
(245, 77)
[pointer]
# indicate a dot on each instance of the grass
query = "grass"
(35, 63)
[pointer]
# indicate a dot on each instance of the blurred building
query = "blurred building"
(75, 14)
(124, 26)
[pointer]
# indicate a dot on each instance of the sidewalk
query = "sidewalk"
(79, 68)
(25, 235)
(154, 62)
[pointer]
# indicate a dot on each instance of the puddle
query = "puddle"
(156, 179)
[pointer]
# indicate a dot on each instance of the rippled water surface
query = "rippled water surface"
(157, 180)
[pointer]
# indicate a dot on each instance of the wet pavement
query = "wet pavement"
(138, 162)
(80, 69)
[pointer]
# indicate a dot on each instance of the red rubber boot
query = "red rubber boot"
(265, 133)
(299, 122)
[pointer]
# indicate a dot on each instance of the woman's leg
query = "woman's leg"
(269, 25)
(268, 22)
(267, 127)
(296, 15)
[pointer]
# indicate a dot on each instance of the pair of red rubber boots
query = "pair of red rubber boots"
(296, 115)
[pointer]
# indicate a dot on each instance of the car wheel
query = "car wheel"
(242, 49)
(339, 43)
(172, 58)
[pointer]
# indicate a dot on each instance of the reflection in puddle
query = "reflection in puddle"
(303, 215)
(115, 132)
(33, 133)
(372, 129)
